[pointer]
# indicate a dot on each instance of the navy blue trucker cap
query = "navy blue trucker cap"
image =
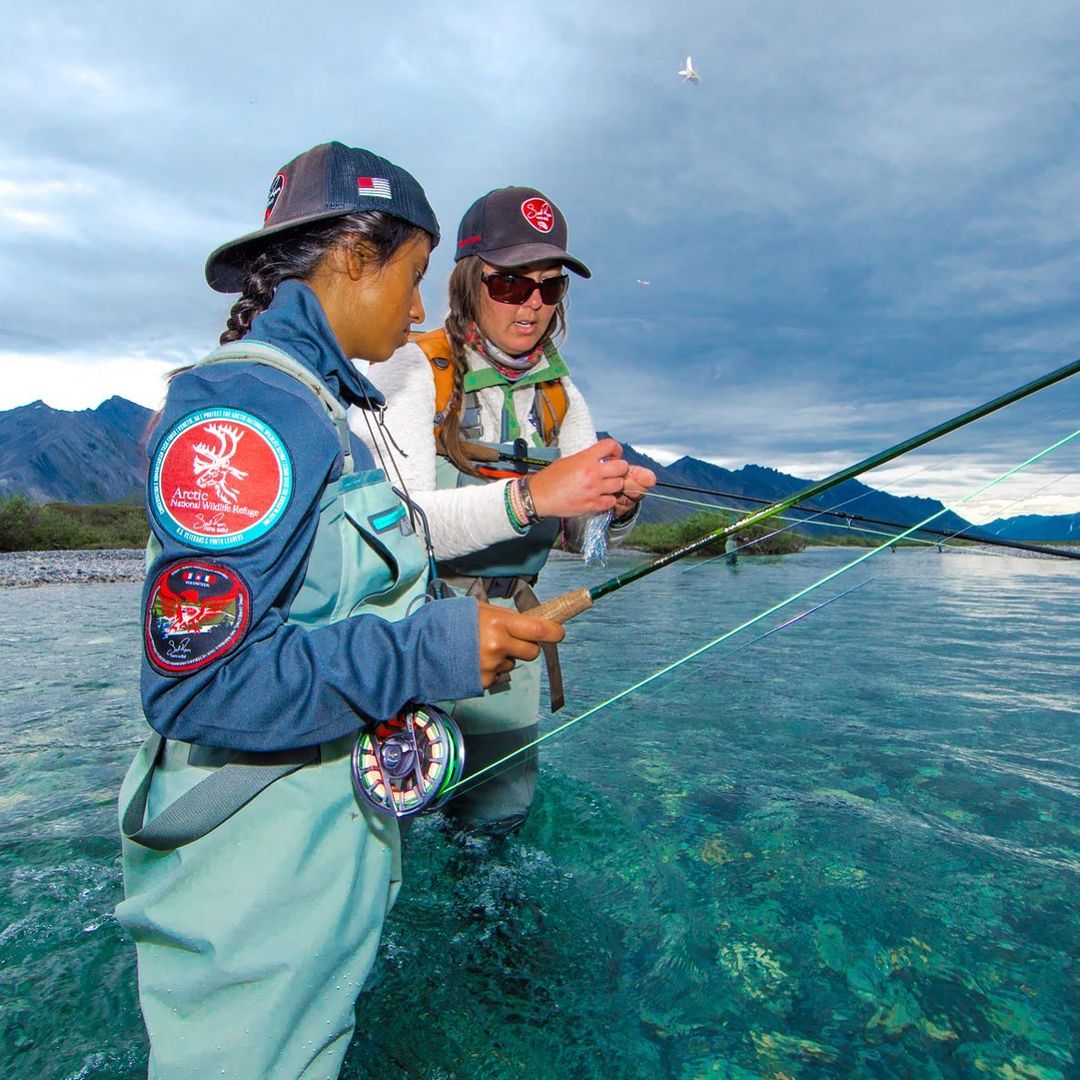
(327, 181)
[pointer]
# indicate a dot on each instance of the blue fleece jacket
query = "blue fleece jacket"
(282, 686)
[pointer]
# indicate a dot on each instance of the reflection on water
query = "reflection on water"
(852, 849)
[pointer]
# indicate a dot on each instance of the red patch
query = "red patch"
(196, 612)
(220, 478)
(538, 214)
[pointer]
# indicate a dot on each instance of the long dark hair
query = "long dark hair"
(464, 295)
(297, 253)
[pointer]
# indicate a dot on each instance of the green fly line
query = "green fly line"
(471, 780)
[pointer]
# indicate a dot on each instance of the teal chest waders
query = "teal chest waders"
(504, 718)
(258, 909)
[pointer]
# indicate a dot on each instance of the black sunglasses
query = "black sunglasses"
(516, 289)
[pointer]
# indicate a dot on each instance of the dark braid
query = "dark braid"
(464, 295)
(298, 252)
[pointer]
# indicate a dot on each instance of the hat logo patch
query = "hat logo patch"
(276, 188)
(376, 187)
(220, 478)
(538, 214)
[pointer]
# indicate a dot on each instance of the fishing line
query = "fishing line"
(779, 517)
(468, 781)
(713, 662)
(757, 618)
(1021, 499)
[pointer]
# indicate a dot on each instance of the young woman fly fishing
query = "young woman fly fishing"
(285, 607)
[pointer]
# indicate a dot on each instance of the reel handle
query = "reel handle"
(562, 609)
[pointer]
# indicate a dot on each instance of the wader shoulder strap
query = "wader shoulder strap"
(259, 352)
(552, 400)
(210, 802)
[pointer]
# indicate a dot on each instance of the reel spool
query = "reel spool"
(407, 764)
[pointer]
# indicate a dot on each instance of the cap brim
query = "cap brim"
(527, 254)
(225, 267)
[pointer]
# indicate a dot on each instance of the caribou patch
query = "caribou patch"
(220, 478)
(196, 612)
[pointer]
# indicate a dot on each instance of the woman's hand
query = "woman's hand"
(587, 482)
(636, 486)
(507, 636)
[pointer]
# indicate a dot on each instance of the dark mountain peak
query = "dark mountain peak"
(83, 456)
(750, 469)
(125, 415)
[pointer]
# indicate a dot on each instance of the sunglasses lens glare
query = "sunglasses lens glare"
(515, 289)
(553, 289)
(509, 288)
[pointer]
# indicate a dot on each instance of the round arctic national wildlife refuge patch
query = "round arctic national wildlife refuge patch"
(221, 478)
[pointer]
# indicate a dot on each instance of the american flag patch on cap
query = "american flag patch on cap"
(374, 186)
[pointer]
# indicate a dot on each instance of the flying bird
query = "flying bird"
(688, 73)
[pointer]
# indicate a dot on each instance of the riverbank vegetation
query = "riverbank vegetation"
(29, 526)
(660, 538)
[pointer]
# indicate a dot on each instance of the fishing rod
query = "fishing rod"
(960, 534)
(945, 536)
(497, 766)
(793, 522)
(490, 454)
(573, 603)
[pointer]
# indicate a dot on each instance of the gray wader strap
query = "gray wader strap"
(521, 592)
(211, 801)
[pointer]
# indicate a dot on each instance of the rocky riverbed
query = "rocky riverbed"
(20, 569)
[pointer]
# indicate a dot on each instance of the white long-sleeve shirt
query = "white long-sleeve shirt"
(463, 519)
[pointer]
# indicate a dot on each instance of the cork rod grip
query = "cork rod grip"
(563, 608)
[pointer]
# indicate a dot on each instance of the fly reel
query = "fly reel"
(408, 764)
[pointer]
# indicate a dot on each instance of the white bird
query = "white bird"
(640, 282)
(688, 73)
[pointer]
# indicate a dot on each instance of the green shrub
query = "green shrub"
(670, 536)
(29, 526)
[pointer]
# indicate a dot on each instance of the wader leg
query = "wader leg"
(501, 800)
(254, 941)
(494, 725)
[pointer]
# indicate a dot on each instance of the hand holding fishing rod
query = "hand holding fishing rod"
(506, 636)
(565, 607)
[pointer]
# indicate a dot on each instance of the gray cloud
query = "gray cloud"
(861, 221)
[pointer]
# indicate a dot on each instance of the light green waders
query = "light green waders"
(504, 718)
(255, 939)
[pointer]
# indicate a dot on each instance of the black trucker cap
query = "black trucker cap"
(327, 181)
(516, 226)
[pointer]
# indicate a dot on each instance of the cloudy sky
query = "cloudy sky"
(865, 219)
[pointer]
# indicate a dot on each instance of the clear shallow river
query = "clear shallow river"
(851, 849)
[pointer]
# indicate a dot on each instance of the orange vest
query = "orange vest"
(552, 401)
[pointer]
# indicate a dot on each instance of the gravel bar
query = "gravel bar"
(22, 569)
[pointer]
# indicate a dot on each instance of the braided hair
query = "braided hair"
(464, 295)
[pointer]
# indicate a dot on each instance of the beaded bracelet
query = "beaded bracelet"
(518, 522)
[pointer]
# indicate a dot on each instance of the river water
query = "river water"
(849, 849)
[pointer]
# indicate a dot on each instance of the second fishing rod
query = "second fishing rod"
(568, 605)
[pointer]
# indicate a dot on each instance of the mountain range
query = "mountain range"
(97, 455)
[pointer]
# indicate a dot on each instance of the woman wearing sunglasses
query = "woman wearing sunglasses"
(462, 402)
